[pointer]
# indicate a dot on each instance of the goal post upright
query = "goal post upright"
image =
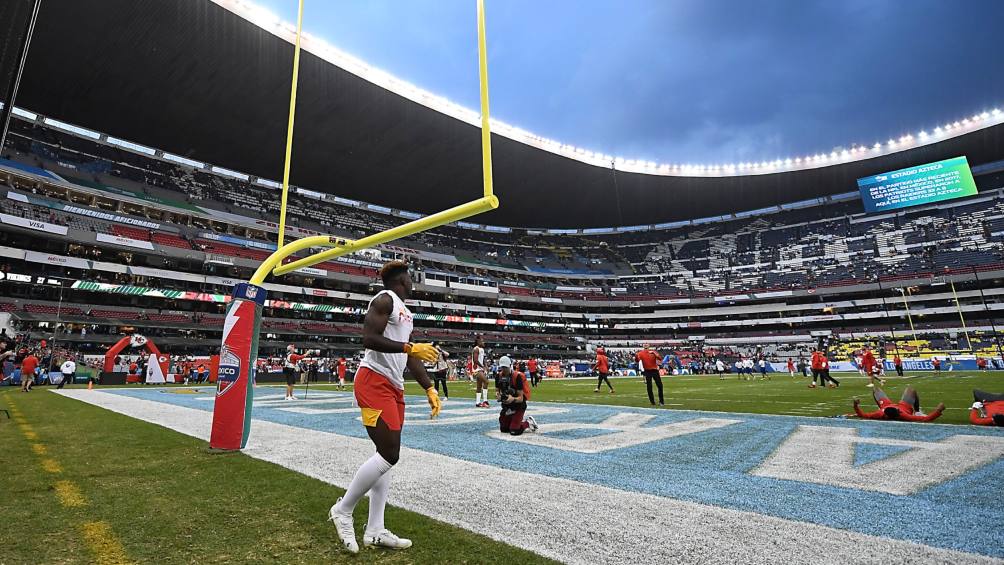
(239, 350)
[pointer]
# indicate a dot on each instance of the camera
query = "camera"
(505, 386)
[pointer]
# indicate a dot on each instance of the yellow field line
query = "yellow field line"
(100, 538)
(69, 495)
(51, 466)
(105, 546)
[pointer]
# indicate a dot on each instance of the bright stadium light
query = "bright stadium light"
(267, 20)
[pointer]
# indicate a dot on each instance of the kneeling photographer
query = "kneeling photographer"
(513, 391)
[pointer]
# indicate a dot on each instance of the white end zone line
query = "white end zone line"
(565, 520)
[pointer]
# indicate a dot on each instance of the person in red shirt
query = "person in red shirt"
(531, 367)
(603, 368)
(937, 365)
(907, 409)
(981, 363)
(649, 360)
(870, 367)
(342, 365)
(791, 367)
(988, 410)
(898, 363)
(28, 367)
(816, 363)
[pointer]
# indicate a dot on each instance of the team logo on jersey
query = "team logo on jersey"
(229, 372)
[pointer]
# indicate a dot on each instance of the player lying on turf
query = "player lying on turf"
(907, 409)
(988, 410)
(379, 391)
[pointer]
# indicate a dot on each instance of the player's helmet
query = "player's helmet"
(891, 412)
(999, 420)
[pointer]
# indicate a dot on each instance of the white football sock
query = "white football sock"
(368, 474)
(477, 397)
(378, 500)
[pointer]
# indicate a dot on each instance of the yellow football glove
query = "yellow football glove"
(434, 401)
(423, 351)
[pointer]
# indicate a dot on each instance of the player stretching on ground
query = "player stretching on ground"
(603, 368)
(907, 409)
(480, 373)
(379, 390)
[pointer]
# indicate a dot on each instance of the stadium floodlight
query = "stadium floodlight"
(267, 20)
(264, 17)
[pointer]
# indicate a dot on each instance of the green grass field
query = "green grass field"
(85, 485)
(96, 486)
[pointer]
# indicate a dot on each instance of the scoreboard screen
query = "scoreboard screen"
(923, 184)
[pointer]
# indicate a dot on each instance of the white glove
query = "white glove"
(977, 406)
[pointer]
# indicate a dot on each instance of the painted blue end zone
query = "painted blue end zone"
(709, 467)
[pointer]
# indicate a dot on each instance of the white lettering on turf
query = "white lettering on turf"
(625, 431)
(825, 455)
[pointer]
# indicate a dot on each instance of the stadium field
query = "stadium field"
(779, 395)
(124, 489)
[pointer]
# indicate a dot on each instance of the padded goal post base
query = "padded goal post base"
(235, 379)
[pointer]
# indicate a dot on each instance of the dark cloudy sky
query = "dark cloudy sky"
(700, 81)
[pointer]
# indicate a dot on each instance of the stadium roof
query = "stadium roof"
(198, 80)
